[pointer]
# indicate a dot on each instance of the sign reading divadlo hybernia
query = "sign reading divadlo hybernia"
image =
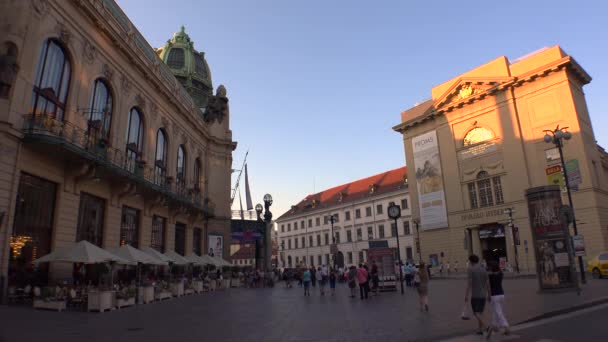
(429, 179)
(216, 245)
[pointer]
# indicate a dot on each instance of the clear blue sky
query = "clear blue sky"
(315, 86)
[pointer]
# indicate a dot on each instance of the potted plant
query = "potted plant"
(125, 297)
(50, 299)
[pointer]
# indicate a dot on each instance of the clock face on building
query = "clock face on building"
(394, 211)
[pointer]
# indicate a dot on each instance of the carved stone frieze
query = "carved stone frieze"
(89, 52)
(125, 83)
(141, 101)
(41, 7)
(107, 72)
(63, 33)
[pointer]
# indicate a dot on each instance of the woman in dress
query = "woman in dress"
(497, 300)
(421, 281)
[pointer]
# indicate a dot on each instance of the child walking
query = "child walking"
(332, 282)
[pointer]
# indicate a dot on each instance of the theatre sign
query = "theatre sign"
(483, 216)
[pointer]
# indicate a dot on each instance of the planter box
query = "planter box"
(121, 303)
(198, 286)
(177, 289)
(101, 301)
(147, 294)
(50, 305)
(162, 295)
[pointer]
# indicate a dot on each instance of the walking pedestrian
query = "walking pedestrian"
(408, 274)
(322, 281)
(362, 278)
(456, 266)
(497, 300)
(313, 276)
(375, 278)
(352, 280)
(423, 287)
(447, 267)
(332, 282)
(478, 289)
(306, 277)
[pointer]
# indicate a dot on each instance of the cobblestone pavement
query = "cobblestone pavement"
(281, 314)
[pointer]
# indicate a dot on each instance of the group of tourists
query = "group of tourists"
(484, 285)
(322, 275)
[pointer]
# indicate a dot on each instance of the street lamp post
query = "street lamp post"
(332, 219)
(416, 223)
(515, 237)
(557, 137)
(394, 212)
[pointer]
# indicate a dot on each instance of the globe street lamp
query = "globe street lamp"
(258, 210)
(557, 137)
(332, 248)
(416, 223)
(394, 212)
(267, 236)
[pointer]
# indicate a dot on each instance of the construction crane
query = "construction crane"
(238, 179)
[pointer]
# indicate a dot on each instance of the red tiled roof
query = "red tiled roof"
(384, 182)
(245, 252)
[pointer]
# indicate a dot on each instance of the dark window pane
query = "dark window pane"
(176, 58)
(158, 233)
(129, 229)
(90, 219)
(180, 238)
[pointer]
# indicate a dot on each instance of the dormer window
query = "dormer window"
(373, 188)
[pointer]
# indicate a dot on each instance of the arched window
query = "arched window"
(477, 135)
(160, 160)
(176, 58)
(135, 135)
(197, 174)
(181, 167)
(52, 81)
(100, 115)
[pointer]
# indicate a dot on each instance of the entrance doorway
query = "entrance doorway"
(493, 242)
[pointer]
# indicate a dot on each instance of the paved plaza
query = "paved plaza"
(281, 314)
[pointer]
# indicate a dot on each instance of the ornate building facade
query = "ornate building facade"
(360, 216)
(477, 145)
(101, 140)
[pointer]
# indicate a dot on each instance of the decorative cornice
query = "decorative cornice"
(119, 29)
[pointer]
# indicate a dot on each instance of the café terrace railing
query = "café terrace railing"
(95, 148)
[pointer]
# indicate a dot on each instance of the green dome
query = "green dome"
(189, 66)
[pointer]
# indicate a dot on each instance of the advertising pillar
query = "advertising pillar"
(551, 239)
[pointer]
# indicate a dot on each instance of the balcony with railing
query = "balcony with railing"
(95, 148)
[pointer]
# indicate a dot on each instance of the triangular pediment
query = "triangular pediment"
(468, 89)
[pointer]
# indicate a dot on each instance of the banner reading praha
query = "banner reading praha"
(429, 180)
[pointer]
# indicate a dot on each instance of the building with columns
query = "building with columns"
(105, 139)
(360, 215)
(477, 145)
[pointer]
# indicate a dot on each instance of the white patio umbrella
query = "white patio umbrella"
(176, 258)
(82, 252)
(210, 260)
(156, 254)
(86, 253)
(196, 260)
(134, 255)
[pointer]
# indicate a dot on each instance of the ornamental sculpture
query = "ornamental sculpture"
(217, 108)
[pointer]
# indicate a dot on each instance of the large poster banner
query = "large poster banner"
(429, 180)
(216, 245)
